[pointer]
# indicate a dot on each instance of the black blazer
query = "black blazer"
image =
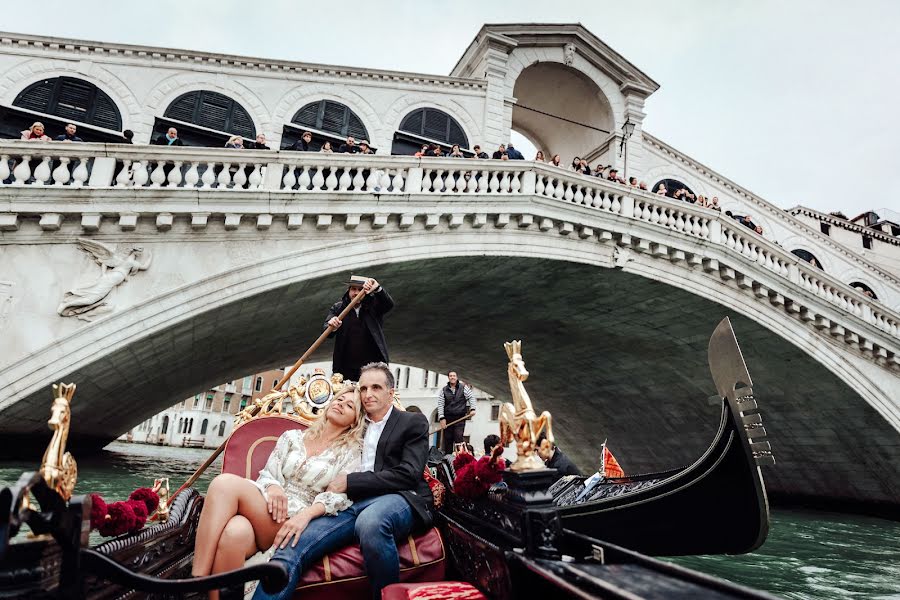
(372, 310)
(399, 465)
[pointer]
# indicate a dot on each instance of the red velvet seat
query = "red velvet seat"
(340, 574)
(438, 590)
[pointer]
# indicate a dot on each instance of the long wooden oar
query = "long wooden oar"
(441, 429)
(286, 379)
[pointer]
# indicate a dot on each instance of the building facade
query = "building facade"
(206, 419)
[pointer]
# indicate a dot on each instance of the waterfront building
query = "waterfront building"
(207, 418)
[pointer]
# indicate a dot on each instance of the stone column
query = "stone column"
(634, 112)
(498, 102)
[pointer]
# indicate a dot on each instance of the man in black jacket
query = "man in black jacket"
(390, 496)
(302, 145)
(359, 338)
(454, 401)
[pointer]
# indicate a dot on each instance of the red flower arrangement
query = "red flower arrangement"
(125, 516)
(474, 478)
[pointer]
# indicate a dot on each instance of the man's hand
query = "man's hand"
(370, 286)
(291, 530)
(335, 322)
(277, 503)
(471, 413)
(443, 423)
(338, 485)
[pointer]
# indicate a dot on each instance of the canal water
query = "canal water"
(808, 555)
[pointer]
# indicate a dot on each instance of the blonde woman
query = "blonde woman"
(235, 142)
(241, 517)
(35, 133)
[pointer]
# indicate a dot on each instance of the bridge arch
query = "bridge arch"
(623, 316)
(577, 126)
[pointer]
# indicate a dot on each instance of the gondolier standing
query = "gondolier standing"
(454, 401)
(359, 338)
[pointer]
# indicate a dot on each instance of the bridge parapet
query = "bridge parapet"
(51, 183)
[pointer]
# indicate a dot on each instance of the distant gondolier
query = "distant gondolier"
(454, 401)
(359, 338)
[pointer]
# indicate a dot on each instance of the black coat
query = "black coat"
(371, 312)
(300, 146)
(347, 149)
(163, 141)
(562, 463)
(399, 465)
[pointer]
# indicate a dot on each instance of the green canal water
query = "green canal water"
(807, 555)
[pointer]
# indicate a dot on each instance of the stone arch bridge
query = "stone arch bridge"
(613, 290)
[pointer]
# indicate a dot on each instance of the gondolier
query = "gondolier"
(359, 338)
(454, 401)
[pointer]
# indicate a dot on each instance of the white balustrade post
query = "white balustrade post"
(22, 172)
(794, 274)
(715, 231)
(42, 172)
(627, 206)
(102, 171)
(274, 175)
(529, 181)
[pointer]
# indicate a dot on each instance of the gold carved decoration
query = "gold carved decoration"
(161, 487)
(518, 420)
(58, 467)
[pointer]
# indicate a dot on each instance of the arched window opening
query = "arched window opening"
(674, 186)
(808, 257)
(863, 289)
(57, 101)
(258, 386)
(221, 428)
(180, 425)
(428, 125)
(165, 425)
(205, 118)
(203, 426)
(328, 121)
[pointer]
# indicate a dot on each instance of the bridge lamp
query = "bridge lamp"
(627, 132)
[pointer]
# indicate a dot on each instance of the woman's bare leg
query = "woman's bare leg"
(228, 496)
(236, 544)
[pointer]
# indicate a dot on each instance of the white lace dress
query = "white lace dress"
(303, 478)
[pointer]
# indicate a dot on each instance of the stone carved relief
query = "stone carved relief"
(115, 267)
(622, 256)
(6, 301)
(569, 54)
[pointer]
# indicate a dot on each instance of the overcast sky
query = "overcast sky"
(795, 100)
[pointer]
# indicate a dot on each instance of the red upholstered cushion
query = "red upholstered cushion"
(249, 447)
(441, 590)
(342, 574)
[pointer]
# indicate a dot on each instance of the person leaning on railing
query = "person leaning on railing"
(35, 133)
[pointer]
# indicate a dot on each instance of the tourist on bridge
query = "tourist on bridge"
(359, 338)
(513, 153)
(169, 139)
(302, 145)
(349, 147)
(454, 402)
(35, 133)
(69, 135)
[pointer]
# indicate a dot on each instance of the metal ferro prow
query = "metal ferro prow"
(733, 383)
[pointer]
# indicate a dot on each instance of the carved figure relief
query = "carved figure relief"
(622, 256)
(115, 268)
(569, 54)
(6, 301)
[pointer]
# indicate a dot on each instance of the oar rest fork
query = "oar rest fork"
(340, 574)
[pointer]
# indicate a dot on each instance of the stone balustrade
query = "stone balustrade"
(330, 176)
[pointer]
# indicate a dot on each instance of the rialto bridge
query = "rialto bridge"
(216, 263)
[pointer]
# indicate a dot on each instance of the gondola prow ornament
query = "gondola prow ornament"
(58, 467)
(518, 420)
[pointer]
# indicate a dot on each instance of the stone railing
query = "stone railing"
(106, 166)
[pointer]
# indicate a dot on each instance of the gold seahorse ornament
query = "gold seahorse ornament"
(518, 420)
(58, 466)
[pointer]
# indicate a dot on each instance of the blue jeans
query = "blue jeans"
(375, 523)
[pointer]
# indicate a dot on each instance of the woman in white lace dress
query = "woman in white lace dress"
(241, 517)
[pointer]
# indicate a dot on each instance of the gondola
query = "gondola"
(532, 535)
